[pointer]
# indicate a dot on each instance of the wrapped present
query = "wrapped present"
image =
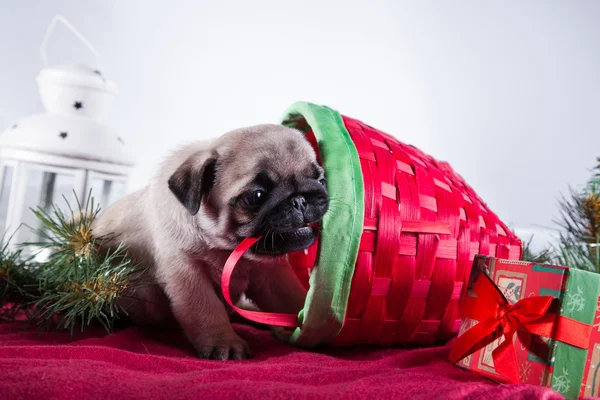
(528, 323)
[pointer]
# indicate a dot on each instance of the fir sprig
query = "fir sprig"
(544, 256)
(579, 244)
(17, 284)
(88, 290)
(577, 254)
(580, 213)
(74, 280)
(579, 219)
(80, 282)
(67, 235)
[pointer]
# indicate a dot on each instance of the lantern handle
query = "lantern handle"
(66, 23)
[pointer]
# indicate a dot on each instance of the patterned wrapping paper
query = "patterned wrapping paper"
(571, 371)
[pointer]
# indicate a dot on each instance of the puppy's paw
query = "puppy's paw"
(232, 348)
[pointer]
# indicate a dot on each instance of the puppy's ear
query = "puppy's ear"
(193, 180)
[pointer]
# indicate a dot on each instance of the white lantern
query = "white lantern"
(65, 151)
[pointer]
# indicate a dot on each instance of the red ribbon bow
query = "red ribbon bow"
(497, 317)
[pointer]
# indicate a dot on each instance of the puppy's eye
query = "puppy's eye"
(322, 181)
(254, 199)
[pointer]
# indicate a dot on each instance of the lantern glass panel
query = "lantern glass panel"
(6, 179)
(45, 188)
(106, 191)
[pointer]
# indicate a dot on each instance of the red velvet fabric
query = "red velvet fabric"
(135, 363)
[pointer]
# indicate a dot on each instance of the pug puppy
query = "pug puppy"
(261, 181)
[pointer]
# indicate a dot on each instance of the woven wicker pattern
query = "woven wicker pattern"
(423, 226)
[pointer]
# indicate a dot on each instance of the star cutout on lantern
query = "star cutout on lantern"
(78, 105)
(63, 135)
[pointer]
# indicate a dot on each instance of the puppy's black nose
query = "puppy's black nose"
(299, 202)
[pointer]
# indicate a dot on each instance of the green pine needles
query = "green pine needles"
(76, 283)
(17, 284)
(579, 221)
(579, 244)
(544, 256)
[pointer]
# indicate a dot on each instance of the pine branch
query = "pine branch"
(544, 256)
(88, 289)
(64, 233)
(79, 284)
(580, 220)
(17, 284)
(580, 214)
(577, 254)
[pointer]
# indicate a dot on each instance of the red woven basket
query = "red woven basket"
(421, 227)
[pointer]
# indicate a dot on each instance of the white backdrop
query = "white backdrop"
(507, 92)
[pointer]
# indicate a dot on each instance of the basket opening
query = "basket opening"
(335, 254)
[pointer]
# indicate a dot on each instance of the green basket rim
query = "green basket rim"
(325, 308)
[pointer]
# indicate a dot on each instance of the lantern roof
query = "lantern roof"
(77, 75)
(68, 136)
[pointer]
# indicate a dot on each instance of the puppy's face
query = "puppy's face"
(262, 181)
